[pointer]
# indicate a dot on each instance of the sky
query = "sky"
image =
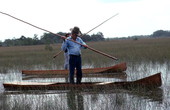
(135, 17)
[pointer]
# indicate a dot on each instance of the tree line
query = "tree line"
(156, 34)
(47, 38)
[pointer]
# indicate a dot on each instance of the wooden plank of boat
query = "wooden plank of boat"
(119, 75)
(152, 81)
(116, 68)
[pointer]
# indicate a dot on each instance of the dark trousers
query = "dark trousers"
(75, 62)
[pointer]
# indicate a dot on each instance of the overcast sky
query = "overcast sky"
(136, 17)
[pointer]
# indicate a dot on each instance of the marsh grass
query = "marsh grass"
(128, 50)
(134, 52)
(25, 57)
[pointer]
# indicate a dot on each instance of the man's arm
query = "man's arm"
(84, 45)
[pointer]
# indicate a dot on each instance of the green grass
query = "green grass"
(37, 57)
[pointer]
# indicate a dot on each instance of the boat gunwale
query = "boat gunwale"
(98, 70)
(149, 82)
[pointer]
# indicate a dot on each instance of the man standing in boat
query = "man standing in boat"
(74, 51)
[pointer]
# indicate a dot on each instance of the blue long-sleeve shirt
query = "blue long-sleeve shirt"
(72, 47)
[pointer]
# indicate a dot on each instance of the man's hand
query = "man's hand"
(54, 56)
(86, 46)
(63, 37)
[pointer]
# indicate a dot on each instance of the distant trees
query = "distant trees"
(161, 33)
(47, 38)
(94, 37)
(158, 33)
(21, 41)
(1, 43)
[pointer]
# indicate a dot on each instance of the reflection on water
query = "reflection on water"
(158, 99)
(81, 100)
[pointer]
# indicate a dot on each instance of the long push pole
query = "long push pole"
(102, 53)
(89, 32)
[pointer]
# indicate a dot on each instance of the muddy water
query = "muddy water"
(158, 99)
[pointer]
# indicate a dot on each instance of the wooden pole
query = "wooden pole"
(102, 53)
(101, 24)
(57, 54)
(90, 31)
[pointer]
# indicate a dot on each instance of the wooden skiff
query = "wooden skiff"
(119, 75)
(152, 81)
(116, 68)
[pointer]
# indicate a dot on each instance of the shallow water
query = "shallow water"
(117, 99)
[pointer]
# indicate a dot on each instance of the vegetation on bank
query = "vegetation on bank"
(48, 38)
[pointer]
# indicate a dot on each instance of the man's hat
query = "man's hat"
(76, 30)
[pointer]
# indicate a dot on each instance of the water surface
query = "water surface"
(116, 99)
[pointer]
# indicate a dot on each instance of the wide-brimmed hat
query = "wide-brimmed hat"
(76, 30)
